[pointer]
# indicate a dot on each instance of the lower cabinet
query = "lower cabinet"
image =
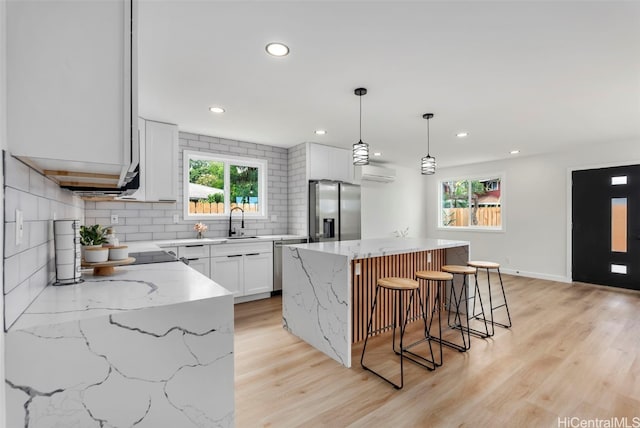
(227, 271)
(198, 257)
(244, 269)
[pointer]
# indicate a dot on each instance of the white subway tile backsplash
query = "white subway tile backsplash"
(28, 267)
(44, 209)
(16, 173)
(36, 183)
(139, 236)
(11, 273)
(110, 205)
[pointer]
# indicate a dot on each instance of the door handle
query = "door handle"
(236, 255)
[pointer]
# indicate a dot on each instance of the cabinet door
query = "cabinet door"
(340, 165)
(201, 265)
(161, 161)
(258, 273)
(227, 271)
(318, 162)
(73, 91)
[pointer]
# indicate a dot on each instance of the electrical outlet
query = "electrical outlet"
(19, 227)
(176, 218)
(114, 218)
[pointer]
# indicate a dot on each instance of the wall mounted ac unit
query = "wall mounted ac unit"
(378, 173)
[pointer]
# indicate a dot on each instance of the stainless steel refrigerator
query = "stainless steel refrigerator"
(334, 211)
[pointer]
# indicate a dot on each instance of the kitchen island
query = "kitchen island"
(328, 287)
(150, 346)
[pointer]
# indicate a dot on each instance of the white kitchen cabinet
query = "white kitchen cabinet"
(244, 268)
(198, 257)
(72, 104)
(158, 162)
(258, 273)
(201, 265)
(228, 272)
(161, 161)
(329, 163)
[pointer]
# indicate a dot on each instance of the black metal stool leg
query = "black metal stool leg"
(457, 319)
(505, 303)
(412, 356)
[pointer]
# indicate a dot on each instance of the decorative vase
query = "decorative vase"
(200, 235)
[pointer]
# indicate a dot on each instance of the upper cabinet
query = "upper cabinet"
(72, 80)
(329, 163)
(158, 162)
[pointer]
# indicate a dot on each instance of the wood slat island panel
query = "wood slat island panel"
(364, 279)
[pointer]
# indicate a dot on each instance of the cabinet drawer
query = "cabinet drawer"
(241, 248)
(197, 251)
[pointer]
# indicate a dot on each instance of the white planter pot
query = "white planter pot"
(96, 255)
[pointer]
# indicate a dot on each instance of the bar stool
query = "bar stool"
(438, 279)
(465, 271)
(398, 287)
(487, 266)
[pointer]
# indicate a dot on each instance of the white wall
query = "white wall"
(3, 146)
(395, 206)
(535, 204)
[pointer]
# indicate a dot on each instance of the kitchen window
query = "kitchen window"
(215, 184)
(471, 203)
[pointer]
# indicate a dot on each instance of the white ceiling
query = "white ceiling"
(533, 76)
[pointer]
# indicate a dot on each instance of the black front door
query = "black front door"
(606, 226)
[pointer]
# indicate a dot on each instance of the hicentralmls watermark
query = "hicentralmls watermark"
(615, 422)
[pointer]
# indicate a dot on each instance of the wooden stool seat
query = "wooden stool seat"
(483, 264)
(463, 270)
(394, 283)
(434, 275)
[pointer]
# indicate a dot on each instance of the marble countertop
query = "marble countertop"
(365, 248)
(130, 288)
(214, 241)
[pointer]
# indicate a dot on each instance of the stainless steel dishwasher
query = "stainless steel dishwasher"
(277, 261)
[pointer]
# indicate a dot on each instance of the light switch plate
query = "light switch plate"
(176, 218)
(19, 227)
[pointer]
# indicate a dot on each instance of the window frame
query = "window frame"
(469, 178)
(227, 160)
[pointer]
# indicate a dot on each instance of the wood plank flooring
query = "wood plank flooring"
(573, 351)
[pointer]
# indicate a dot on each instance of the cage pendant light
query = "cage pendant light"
(428, 166)
(360, 149)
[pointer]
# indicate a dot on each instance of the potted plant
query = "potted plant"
(92, 237)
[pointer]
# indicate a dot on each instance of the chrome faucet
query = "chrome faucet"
(232, 231)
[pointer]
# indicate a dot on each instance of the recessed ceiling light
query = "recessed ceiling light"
(514, 152)
(216, 109)
(377, 154)
(320, 132)
(277, 49)
(462, 134)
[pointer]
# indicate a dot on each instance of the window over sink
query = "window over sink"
(214, 184)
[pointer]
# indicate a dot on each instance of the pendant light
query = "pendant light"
(428, 166)
(360, 149)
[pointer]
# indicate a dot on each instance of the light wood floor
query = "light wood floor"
(574, 351)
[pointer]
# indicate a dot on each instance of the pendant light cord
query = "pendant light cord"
(360, 118)
(428, 145)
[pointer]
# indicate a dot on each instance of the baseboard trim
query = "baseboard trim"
(537, 275)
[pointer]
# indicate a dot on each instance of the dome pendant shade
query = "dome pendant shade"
(428, 166)
(360, 149)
